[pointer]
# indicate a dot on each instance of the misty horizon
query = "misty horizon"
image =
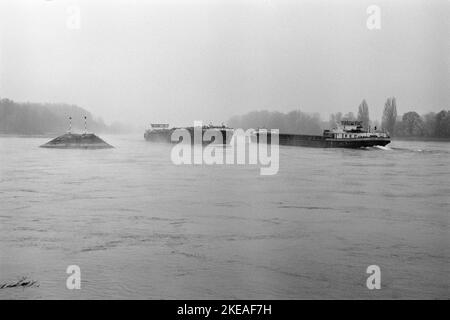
(184, 61)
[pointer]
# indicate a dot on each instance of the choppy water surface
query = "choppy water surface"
(140, 227)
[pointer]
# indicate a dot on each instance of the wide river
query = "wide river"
(139, 226)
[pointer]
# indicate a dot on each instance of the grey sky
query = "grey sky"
(179, 61)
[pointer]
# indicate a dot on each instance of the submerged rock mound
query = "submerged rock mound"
(77, 141)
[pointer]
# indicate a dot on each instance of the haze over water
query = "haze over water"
(140, 227)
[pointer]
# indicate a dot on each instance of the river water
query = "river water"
(139, 226)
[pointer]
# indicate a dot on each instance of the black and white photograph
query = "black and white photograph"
(224, 150)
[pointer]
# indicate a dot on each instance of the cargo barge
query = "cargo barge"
(350, 134)
(160, 132)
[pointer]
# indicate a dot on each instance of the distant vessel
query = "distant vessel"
(160, 132)
(77, 141)
(350, 134)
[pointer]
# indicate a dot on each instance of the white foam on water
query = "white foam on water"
(383, 148)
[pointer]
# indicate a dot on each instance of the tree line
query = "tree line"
(45, 118)
(410, 124)
(291, 122)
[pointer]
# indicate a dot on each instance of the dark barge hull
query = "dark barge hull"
(166, 135)
(161, 136)
(323, 142)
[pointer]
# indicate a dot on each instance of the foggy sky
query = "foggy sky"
(180, 61)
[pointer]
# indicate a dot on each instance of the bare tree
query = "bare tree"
(335, 119)
(389, 115)
(363, 114)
